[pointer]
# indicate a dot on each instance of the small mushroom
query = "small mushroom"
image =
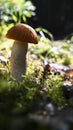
(22, 34)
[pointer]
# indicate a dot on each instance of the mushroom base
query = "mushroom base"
(18, 60)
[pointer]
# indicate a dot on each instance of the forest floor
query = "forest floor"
(44, 100)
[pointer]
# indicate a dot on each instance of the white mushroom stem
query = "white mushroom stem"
(18, 60)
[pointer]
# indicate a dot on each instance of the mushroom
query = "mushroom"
(22, 34)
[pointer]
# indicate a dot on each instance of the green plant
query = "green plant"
(16, 11)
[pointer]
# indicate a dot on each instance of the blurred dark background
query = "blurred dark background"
(54, 15)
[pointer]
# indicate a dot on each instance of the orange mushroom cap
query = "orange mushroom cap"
(23, 33)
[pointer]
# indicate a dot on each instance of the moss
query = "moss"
(21, 94)
(54, 84)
